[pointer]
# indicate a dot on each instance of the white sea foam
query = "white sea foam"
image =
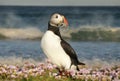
(13, 60)
(21, 33)
(67, 33)
(34, 32)
(100, 63)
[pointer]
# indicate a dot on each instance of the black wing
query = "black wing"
(70, 51)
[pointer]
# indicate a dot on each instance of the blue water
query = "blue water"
(37, 16)
(104, 51)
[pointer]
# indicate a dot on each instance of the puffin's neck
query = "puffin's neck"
(55, 30)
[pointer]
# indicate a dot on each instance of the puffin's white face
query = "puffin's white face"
(58, 20)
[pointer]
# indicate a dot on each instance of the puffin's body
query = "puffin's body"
(57, 49)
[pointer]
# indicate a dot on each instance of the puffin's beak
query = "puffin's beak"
(65, 21)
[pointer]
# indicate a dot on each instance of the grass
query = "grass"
(42, 78)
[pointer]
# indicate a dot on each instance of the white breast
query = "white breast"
(51, 46)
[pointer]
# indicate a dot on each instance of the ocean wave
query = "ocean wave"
(33, 33)
(21, 33)
(30, 33)
(96, 34)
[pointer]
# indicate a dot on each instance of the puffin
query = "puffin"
(57, 50)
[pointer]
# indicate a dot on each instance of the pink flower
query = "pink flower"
(13, 76)
(50, 67)
(3, 70)
(54, 74)
(72, 72)
(12, 67)
(40, 72)
(25, 75)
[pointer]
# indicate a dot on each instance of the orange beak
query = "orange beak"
(65, 21)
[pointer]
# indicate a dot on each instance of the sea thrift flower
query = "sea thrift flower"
(58, 77)
(50, 67)
(12, 67)
(40, 72)
(25, 75)
(29, 69)
(13, 76)
(3, 70)
(72, 72)
(54, 74)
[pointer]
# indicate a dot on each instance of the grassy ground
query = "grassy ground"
(43, 78)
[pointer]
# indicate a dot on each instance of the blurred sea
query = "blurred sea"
(92, 53)
(37, 16)
(23, 19)
(31, 21)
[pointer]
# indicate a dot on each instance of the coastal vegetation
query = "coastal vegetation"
(47, 72)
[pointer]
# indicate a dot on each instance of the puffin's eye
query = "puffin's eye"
(56, 16)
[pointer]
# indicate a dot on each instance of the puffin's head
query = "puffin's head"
(58, 20)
